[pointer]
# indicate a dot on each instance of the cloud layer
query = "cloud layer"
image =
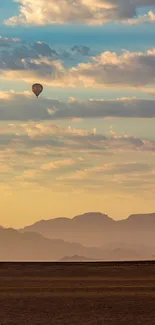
(44, 155)
(54, 109)
(96, 12)
(51, 147)
(67, 69)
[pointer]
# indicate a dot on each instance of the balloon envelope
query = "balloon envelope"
(37, 89)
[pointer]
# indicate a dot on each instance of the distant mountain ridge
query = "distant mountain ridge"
(89, 216)
(91, 236)
(76, 258)
(30, 246)
(97, 229)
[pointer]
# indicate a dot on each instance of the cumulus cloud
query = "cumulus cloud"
(109, 69)
(148, 18)
(21, 59)
(96, 12)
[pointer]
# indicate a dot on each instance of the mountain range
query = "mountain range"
(98, 229)
(91, 236)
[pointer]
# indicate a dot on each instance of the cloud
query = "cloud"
(53, 109)
(129, 176)
(109, 69)
(7, 42)
(57, 164)
(150, 91)
(111, 169)
(123, 107)
(44, 155)
(46, 139)
(3, 168)
(96, 12)
(27, 111)
(148, 18)
(39, 58)
(29, 174)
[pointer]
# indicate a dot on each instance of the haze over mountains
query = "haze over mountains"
(98, 229)
(91, 236)
(76, 258)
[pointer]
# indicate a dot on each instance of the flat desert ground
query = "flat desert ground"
(77, 293)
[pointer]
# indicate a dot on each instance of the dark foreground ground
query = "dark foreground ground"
(77, 293)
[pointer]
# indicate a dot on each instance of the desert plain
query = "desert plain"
(93, 293)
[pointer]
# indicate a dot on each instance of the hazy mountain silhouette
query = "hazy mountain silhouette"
(31, 246)
(97, 229)
(89, 236)
(76, 258)
(16, 246)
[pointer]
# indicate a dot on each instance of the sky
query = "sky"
(88, 142)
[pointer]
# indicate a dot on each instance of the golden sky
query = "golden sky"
(88, 142)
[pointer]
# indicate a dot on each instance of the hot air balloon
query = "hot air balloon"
(37, 89)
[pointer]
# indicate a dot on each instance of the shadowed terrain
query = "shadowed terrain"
(77, 293)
